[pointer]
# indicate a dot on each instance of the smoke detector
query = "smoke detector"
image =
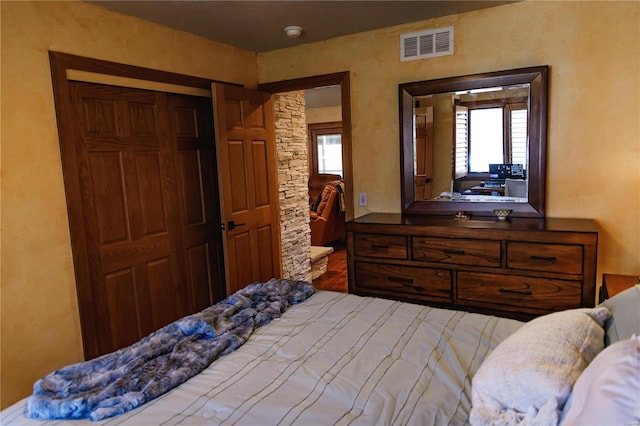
(293, 31)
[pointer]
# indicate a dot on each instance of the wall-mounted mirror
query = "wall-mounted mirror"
(475, 143)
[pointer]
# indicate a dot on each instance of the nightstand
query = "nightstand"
(613, 284)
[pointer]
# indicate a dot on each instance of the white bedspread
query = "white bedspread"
(334, 359)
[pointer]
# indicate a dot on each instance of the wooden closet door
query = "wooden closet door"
(198, 198)
(128, 209)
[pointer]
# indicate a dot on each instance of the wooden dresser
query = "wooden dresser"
(521, 268)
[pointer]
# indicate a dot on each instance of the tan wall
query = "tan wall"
(324, 115)
(40, 323)
(593, 49)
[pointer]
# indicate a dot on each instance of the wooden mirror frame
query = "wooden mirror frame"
(537, 78)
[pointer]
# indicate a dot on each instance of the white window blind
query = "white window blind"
(461, 157)
(518, 119)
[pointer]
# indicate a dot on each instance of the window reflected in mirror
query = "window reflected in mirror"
(458, 136)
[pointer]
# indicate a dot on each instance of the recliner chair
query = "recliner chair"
(316, 183)
(327, 221)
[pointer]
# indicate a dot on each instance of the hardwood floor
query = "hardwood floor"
(336, 276)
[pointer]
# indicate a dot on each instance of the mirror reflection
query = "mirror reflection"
(472, 145)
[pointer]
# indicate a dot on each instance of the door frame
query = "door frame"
(61, 64)
(338, 78)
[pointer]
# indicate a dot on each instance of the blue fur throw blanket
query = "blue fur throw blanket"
(123, 380)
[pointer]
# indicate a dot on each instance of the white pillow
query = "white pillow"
(608, 391)
(529, 376)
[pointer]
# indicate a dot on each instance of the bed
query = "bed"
(342, 359)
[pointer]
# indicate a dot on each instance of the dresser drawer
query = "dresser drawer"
(476, 288)
(458, 251)
(385, 246)
(564, 258)
(427, 282)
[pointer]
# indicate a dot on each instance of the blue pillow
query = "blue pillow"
(625, 315)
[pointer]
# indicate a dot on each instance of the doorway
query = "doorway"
(323, 112)
(339, 82)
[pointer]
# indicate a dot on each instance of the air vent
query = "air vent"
(426, 44)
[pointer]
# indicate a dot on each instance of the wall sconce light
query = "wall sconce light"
(293, 31)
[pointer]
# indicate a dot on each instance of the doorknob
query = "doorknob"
(231, 225)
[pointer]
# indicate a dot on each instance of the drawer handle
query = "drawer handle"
(453, 251)
(546, 258)
(404, 281)
(507, 290)
(379, 246)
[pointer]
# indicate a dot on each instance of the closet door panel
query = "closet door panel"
(191, 132)
(127, 206)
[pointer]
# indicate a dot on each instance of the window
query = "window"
(485, 138)
(489, 133)
(325, 153)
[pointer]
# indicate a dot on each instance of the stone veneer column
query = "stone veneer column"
(291, 144)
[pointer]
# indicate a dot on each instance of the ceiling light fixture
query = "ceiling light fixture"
(293, 31)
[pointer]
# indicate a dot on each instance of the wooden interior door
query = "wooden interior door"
(198, 197)
(246, 151)
(147, 208)
(424, 152)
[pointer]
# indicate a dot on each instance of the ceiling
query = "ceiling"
(258, 26)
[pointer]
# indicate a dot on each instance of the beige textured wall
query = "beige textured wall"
(593, 49)
(324, 115)
(40, 323)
